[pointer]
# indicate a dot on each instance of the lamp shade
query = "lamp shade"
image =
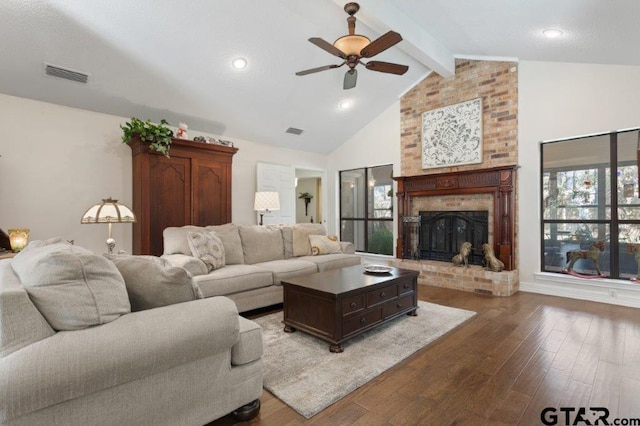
(108, 211)
(266, 201)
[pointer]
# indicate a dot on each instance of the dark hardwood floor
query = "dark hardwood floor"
(519, 355)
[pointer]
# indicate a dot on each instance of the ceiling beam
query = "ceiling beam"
(383, 15)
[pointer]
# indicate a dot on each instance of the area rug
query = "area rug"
(300, 370)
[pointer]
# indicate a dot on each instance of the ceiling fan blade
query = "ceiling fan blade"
(325, 45)
(318, 69)
(350, 78)
(387, 67)
(380, 44)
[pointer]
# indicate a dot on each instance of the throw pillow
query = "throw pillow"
(153, 282)
(72, 287)
(207, 247)
(324, 244)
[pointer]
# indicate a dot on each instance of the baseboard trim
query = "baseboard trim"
(603, 290)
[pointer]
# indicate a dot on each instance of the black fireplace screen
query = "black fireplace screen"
(442, 234)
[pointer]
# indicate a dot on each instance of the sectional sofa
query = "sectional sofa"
(72, 352)
(257, 258)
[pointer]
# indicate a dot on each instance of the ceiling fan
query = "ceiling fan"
(353, 47)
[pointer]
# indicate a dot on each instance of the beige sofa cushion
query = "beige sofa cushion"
(283, 269)
(287, 239)
(233, 279)
(153, 282)
(21, 324)
(327, 262)
(261, 243)
(230, 237)
(301, 232)
(248, 348)
(72, 287)
(176, 241)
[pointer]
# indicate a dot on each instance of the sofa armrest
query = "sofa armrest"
(71, 364)
(347, 247)
(191, 264)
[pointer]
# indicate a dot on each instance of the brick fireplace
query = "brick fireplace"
(487, 189)
(489, 186)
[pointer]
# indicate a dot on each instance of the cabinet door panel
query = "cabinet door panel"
(170, 196)
(211, 195)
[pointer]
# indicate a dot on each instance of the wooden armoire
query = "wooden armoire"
(191, 187)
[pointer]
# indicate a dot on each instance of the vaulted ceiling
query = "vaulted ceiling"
(172, 59)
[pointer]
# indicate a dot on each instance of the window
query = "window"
(366, 208)
(583, 202)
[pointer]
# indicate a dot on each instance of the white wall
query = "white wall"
(376, 144)
(559, 100)
(56, 162)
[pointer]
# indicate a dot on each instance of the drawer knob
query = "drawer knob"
(399, 305)
(363, 321)
(353, 304)
(406, 286)
(383, 294)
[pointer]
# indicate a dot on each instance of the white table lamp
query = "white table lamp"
(265, 202)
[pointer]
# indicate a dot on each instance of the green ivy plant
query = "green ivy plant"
(158, 135)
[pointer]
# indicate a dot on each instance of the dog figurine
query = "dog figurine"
(491, 261)
(462, 258)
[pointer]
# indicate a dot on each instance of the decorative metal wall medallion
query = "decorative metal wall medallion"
(452, 135)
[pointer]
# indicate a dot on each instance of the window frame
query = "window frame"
(366, 220)
(613, 221)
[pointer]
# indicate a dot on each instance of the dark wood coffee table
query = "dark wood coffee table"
(340, 304)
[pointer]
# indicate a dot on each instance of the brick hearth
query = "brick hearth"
(474, 278)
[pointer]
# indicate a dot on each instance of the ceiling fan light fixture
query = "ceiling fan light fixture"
(239, 63)
(352, 44)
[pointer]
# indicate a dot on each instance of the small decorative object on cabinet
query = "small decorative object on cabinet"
(193, 187)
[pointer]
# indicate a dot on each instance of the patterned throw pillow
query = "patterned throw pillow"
(324, 244)
(207, 247)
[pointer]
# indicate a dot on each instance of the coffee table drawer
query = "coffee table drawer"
(406, 287)
(352, 325)
(381, 295)
(394, 306)
(352, 304)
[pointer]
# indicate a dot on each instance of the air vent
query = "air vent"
(66, 74)
(294, 131)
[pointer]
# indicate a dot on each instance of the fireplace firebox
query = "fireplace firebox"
(442, 234)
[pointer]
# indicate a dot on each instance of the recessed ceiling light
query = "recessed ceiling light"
(239, 63)
(346, 104)
(552, 33)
